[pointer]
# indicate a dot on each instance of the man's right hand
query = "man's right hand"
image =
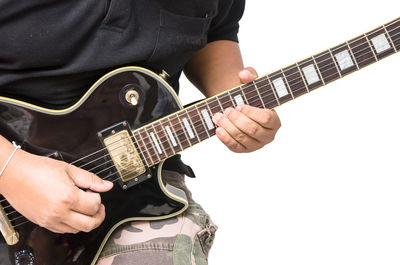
(47, 192)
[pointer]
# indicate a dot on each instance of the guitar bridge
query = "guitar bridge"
(128, 162)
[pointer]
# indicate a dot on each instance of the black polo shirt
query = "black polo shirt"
(51, 51)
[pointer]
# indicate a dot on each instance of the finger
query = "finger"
(227, 140)
(87, 180)
(265, 117)
(86, 202)
(85, 223)
(250, 127)
(247, 75)
(235, 133)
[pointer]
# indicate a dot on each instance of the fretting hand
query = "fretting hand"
(246, 128)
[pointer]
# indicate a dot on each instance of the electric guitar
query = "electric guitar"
(126, 125)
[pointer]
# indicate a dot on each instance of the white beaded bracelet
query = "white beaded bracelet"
(16, 147)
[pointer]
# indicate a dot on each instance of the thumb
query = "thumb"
(247, 75)
(87, 180)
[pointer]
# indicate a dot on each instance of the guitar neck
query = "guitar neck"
(183, 129)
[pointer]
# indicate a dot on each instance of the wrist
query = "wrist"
(8, 154)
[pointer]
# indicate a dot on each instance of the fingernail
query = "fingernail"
(239, 107)
(217, 117)
(107, 183)
(247, 72)
(219, 131)
(227, 111)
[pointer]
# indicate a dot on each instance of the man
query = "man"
(51, 51)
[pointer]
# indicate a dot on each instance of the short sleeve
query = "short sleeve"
(225, 25)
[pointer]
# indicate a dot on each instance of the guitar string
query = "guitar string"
(114, 173)
(243, 87)
(200, 123)
(288, 76)
(300, 79)
(269, 92)
(196, 126)
(365, 41)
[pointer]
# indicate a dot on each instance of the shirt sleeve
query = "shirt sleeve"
(225, 25)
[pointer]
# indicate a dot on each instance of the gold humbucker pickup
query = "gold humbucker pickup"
(123, 153)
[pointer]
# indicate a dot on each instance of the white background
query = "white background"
(327, 190)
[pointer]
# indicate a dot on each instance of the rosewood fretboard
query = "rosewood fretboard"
(170, 135)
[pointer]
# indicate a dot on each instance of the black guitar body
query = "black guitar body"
(73, 133)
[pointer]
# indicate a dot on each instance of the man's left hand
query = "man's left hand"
(245, 128)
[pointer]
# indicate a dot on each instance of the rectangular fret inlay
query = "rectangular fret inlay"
(344, 60)
(280, 87)
(156, 143)
(239, 100)
(188, 129)
(311, 74)
(380, 43)
(206, 116)
(171, 136)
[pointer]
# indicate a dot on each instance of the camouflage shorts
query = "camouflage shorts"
(182, 240)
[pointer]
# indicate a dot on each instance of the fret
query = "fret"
(225, 100)
(173, 137)
(302, 77)
(205, 115)
(343, 59)
(268, 93)
(214, 106)
(310, 70)
(253, 94)
(352, 55)
(279, 87)
(184, 130)
(168, 137)
(179, 131)
(380, 43)
(148, 145)
(231, 98)
(288, 86)
(187, 125)
(244, 95)
(336, 65)
(203, 120)
(362, 51)
(237, 96)
(394, 32)
(372, 48)
(154, 152)
(197, 123)
(295, 80)
(143, 147)
(390, 38)
(219, 103)
(163, 138)
(158, 143)
(316, 67)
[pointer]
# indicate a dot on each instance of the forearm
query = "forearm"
(215, 68)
